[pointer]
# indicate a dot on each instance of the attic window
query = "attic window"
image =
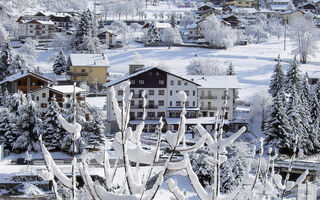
(83, 70)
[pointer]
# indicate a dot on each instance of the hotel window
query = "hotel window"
(178, 103)
(44, 95)
(194, 93)
(139, 114)
(43, 105)
(187, 92)
(161, 103)
(151, 92)
(151, 114)
(161, 114)
(172, 82)
(133, 82)
(170, 92)
(187, 103)
(170, 103)
(179, 82)
(161, 92)
(141, 82)
(185, 83)
(161, 82)
(193, 103)
(83, 70)
(37, 98)
(120, 92)
(157, 73)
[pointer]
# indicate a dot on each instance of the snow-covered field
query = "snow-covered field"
(253, 63)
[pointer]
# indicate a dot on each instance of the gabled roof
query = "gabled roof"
(89, 60)
(102, 31)
(62, 89)
(23, 74)
(128, 76)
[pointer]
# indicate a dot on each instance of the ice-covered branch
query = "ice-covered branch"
(172, 186)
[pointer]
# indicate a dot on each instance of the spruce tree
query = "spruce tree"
(59, 65)
(315, 109)
(29, 125)
(293, 77)
(295, 121)
(18, 64)
(53, 132)
(153, 35)
(5, 60)
(230, 70)
(173, 20)
(277, 79)
(8, 130)
(95, 130)
(278, 131)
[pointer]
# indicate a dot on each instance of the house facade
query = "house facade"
(289, 17)
(24, 81)
(243, 3)
(161, 88)
(92, 68)
(107, 38)
(63, 95)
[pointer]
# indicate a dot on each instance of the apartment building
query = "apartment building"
(62, 93)
(92, 68)
(161, 87)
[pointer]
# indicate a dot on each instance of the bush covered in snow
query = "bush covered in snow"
(208, 66)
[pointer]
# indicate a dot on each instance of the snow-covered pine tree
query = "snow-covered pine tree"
(307, 122)
(227, 178)
(230, 70)
(315, 108)
(173, 20)
(278, 131)
(153, 35)
(14, 101)
(8, 130)
(59, 65)
(293, 77)
(295, 122)
(95, 130)
(83, 40)
(53, 132)
(5, 59)
(18, 63)
(277, 79)
(29, 125)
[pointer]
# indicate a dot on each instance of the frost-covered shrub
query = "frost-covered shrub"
(205, 66)
(171, 35)
(217, 34)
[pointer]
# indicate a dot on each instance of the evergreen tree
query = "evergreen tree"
(293, 77)
(8, 130)
(53, 132)
(277, 79)
(173, 20)
(5, 60)
(18, 63)
(295, 121)
(230, 71)
(153, 35)
(315, 109)
(278, 130)
(95, 130)
(29, 125)
(80, 110)
(84, 39)
(59, 65)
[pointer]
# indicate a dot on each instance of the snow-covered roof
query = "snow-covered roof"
(93, 60)
(128, 76)
(162, 25)
(201, 120)
(66, 89)
(136, 122)
(22, 74)
(278, 7)
(59, 14)
(219, 82)
(292, 11)
(45, 22)
(248, 10)
(63, 89)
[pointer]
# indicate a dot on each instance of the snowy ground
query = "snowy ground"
(253, 63)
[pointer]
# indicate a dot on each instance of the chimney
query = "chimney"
(135, 67)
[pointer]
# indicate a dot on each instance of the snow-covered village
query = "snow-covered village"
(160, 99)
